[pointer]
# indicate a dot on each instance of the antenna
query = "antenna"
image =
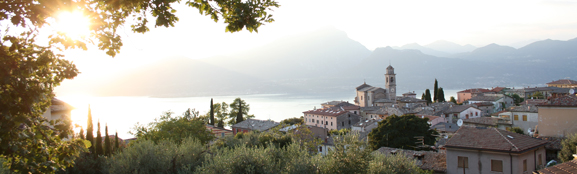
(459, 122)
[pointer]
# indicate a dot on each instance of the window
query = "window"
(524, 165)
(355, 112)
(327, 123)
(516, 117)
(331, 123)
(371, 116)
(320, 148)
(462, 162)
(369, 98)
(317, 121)
(524, 117)
(361, 97)
(496, 165)
(540, 160)
(222, 134)
(343, 123)
(313, 120)
(476, 114)
(349, 121)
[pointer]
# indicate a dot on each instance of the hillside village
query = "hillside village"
(474, 129)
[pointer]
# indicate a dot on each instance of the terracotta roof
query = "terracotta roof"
(563, 82)
(410, 100)
(535, 101)
(569, 167)
(476, 90)
(483, 104)
(254, 124)
(486, 121)
(497, 89)
(362, 86)
(497, 113)
(485, 98)
(430, 160)
(524, 108)
(553, 143)
(492, 139)
(566, 101)
(459, 108)
(445, 127)
(333, 111)
(431, 117)
(351, 107)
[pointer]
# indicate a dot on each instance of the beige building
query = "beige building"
(558, 117)
(524, 117)
(467, 94)
(367, 95)
(59, 110)
(563, 83)
(461, 112)
(491, 150)
(334, 118)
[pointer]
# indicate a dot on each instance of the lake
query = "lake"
(122, 113)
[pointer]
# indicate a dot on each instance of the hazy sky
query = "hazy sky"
(373, 23)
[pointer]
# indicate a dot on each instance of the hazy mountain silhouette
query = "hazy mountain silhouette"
(450, 47)
(327, 61)
(425, 50)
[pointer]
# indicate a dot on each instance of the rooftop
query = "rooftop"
(458, 108)
(490, 121)
(492, 139)
(59, 105)
(565, 101)
(445, 127)
(485, 98)
(410, 100)
(569, 167)
(476, 90)
(497, 89)
(430, 160)
(563, 82)
(254, 124)
(366, 123)
(333, 111)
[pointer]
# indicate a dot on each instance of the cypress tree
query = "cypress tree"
(99, 150)
(441, 95)
(107, 146)
(436, 92)
(239, 114)
(81, 134)
(211, 113)
(116, 145)
(90, 131)
(423, 97)
(428, 96)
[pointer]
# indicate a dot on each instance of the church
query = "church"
(368, 95)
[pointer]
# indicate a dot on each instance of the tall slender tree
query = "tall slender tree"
(90, 131)
(99, 150)
(81, 134)
(423, 97)
(428, 96)
(441, 95)
(436, 92)
(211, 113)
(107, 145)
(239, 114)
(116, 144)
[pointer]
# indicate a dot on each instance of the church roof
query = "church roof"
(390, 67)
(364, 85)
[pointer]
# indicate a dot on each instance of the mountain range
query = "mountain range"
(328, 61)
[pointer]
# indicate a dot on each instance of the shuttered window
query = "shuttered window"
(497, 165)
(463, 162)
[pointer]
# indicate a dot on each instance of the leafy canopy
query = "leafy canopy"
(169, 127)
(402, 132)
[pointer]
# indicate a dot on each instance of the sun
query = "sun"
(74, 24)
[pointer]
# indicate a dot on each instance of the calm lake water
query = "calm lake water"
(122, 113)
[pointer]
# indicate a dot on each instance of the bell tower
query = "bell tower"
(391, 83)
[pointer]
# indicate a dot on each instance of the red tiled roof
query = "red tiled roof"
(568, 167)
(563, 82)
(497, 89)
(569, 100)
(492, 139)
(476, 90)
(431, 117)
(486, 121)
(327, 112)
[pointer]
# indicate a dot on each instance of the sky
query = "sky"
(373, 23)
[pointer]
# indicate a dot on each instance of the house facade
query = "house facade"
(333, 118)
(524, 117)
(467, 94)
(558, 117)
(499, 101)
(462, 112)
(491, 150)
(563, 83)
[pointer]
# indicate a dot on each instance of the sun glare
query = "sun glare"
(73, 24)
